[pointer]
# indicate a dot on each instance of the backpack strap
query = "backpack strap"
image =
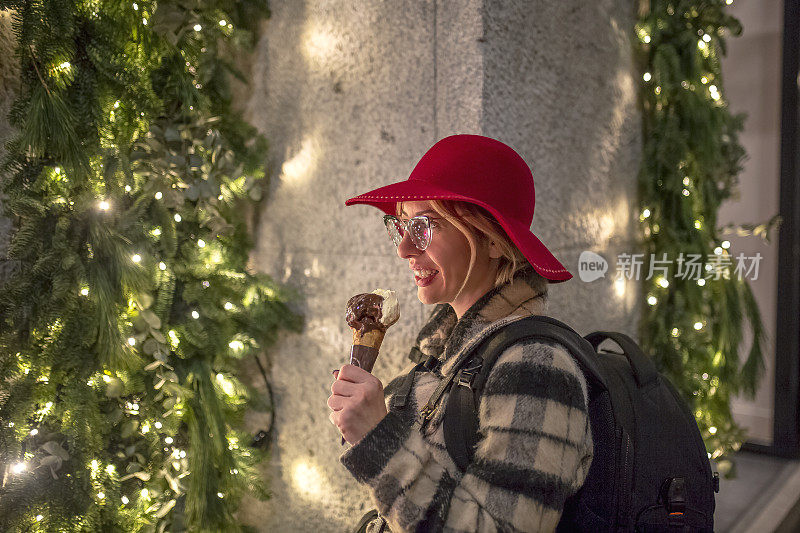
(644, 370)
(460, 424)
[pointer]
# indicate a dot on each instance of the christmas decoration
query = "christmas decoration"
(129, 305)
(693, 324)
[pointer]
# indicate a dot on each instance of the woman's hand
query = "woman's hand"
(357, 402)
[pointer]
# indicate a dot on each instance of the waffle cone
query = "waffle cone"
(372, 338)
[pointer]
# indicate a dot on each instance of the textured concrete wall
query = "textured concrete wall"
(351, 94)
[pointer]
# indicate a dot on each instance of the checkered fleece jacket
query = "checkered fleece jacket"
(535, 442)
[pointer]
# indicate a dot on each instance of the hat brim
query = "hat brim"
(386, 198)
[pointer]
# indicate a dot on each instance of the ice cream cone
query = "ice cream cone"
(372, 338)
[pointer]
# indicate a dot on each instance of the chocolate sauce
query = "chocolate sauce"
(364, 312)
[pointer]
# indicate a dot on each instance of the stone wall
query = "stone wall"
(9, 78)
(351, 94)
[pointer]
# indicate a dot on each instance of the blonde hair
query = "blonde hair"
(475, 221)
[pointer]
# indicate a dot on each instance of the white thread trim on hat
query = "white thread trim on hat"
(426, 197)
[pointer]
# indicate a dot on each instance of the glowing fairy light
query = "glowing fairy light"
(228, 306)
(718, 250)
(128, 188)
(156, 232)
(219, 495)
(84, 292)
(712, 430)
(162, 265)
(698, 325)
(198, 27)
(698, 224)
(34, 432)
(168, 440)
(707, 38)
(201, 243)
(158, 425)
(19, 468)
(131, 341)
(647, 76)
(145, 493)
(110, 470)
(726, 244)
(223, 23)
(124, 500)
(158, 195)
(646, 213)
(104, 205)
(195, 315)
(675, 332)
(177, 217)
(236, 345)
(701, 282)
(136, 258)
(663, 282)
(39, 517)
(145, 428)
(652, 300)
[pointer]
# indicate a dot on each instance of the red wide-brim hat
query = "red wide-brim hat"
(481, 171)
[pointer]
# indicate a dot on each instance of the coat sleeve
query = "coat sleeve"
(534, 452)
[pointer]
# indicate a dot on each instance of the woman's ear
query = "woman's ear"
(494, 251)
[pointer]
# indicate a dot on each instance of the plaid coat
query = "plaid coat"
(535, 442)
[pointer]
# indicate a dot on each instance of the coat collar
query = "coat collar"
(445, 337)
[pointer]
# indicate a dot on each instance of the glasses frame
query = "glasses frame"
(392, 222)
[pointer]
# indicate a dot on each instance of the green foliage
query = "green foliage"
(691, 160)
(130, 304)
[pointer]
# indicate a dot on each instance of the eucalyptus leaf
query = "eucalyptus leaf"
(114, 388)
(128, 428)
(150, 346)
(153, 365)
(167, 507)
(54, 448)
(151, 318)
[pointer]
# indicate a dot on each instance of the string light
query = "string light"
(158, 425)
(718, 250)
(39, 517)
(201, 243)
(136, 258)
(197, 27)
(707, 38)
(135, 6)
(698, 325)
(219, 495)
(701, 282)
(158, 195)
(698, 224)
(19, 468)
(645, 213)
(675, 332)
(145, 493)
(34, 432)
(663, 282)
(222, 22)
(84, 292)
(652, 300)
(128, 188)
(168, 440)
(177, 217)
(685, 192)
(124, 500)
(228, 306)
(726, 244)
(195, 315)
(712, 430)
(131, 341)
(156, 232)
(647, 76)
(104, 205)
(162, 265)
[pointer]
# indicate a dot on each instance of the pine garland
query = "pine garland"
(693, 324)
(130, 306)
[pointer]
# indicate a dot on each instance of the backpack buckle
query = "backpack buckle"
(466, 375)
(673, 494)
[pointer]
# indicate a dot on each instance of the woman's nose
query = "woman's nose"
(406, 248)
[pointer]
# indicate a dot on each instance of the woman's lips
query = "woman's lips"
(425, 279)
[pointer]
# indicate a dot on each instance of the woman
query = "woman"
(462, 221)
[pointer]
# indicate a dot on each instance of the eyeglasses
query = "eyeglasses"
(418, 228)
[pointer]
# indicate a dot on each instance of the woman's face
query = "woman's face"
(441, 269)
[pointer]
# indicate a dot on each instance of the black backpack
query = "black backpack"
(650, 470)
